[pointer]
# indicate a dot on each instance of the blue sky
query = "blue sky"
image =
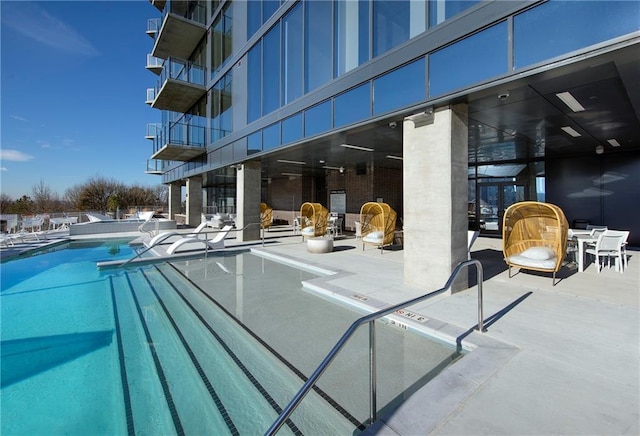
(73, 84)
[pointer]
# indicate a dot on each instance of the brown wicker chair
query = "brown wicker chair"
(534, 237)
(378, 224)
(314, 218)
(266, 215)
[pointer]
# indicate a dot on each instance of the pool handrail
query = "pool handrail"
(370, 318)
(170, 234)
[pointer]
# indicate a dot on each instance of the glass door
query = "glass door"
(494, 199)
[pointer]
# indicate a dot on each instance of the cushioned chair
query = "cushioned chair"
(534, 237)
(314, 218)
(266, 215)
(377, 224)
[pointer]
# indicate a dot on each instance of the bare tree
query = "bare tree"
(96, 193)
(72, 196)
(44, 199)
(5, 203)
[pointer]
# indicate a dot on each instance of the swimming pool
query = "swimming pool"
(201, 346)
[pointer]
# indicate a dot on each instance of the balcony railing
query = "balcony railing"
(180, 86)
(151, 95)
(153, 26)
(153, 130)
(154, 166)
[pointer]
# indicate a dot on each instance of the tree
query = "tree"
(5, 203)
(44, 198)
(23, 206)
(96, 192)
(72, 196)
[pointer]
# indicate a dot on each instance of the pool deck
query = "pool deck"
(561, 359)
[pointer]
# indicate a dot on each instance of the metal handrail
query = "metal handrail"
(170, 234)
(311, 381)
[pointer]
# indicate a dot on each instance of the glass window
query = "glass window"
(352, 106)
(221, 40)
(441, 10)
(254, 142)
(400, 87)
(391, 24)
(292, 129)
(317, 119)
(269, 7)
(271, 70)
(558, 27)
(254, 82)
(318, 57)
(221, 110)
(351, 35)
(292, 55)
(471, 60)
(271, 137)
(254, 17)
(239, 150)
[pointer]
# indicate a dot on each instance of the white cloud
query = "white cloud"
(44, 144)
(34, 22)
(19, 118)
(14, 155)
(3, 168)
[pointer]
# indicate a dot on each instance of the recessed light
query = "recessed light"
(356, 147)
(294, 162)
(330, 168)
(292, 174)
(570, 101)
(390, 156)
(571, 131)
(613, 142)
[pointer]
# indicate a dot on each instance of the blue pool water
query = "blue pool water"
(215, 346)
(130, 351)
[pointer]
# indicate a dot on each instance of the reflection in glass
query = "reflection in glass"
(352, 106)
(254, 17)
(254, 82)
(221, 38)
(441, 10)
(399, 88)
(318, 57)
(351, 35)
(394, 22)
(292, 55)
(221, 108)
(271, 70)
(292, 129)
(471, 60)
(317, 119)
(558, 27)
(271, 137)
(254, 142)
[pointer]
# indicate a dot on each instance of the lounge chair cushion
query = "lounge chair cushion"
(374, 237)
(523, 261)
(538, 253)
(308, 231)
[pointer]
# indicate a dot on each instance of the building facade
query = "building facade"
(449, 111)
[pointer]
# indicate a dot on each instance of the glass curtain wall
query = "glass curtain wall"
(351, 35)
(221, 39)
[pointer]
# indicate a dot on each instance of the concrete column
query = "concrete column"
(248, 192)
(175, 199)
(435, 201)
(194, 201)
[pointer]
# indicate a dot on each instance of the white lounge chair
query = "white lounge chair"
(215, 244)
(165, 237)
(95, 217)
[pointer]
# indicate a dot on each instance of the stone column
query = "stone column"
(248, 192)
(194, 201)
(435, 201)
(175, 199)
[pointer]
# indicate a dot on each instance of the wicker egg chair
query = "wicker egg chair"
(314, 218)
(534, 237)
(266, 215)
(378, 224)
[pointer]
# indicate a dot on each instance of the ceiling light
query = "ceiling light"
(292, 174)
(390, 156)
(599, 149)
(294, 162)
(356, 147)
(570, 101)
(571, 131)
(613, 142)
(331, 168)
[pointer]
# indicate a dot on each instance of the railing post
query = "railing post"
(479, 279)
(372, 372)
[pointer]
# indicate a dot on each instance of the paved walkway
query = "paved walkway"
(561, 359)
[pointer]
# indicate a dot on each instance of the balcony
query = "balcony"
(153, 26)
(151, 95)
(154, 64)
(182, 29)
(154, 166)
(153, 130)
(158, 4)
(181, 85)
(179, 142)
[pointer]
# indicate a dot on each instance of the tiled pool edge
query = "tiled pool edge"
(431, 406)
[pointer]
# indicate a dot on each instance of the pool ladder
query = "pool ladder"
(369, 319)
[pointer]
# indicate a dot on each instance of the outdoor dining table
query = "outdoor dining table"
(582, 238)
